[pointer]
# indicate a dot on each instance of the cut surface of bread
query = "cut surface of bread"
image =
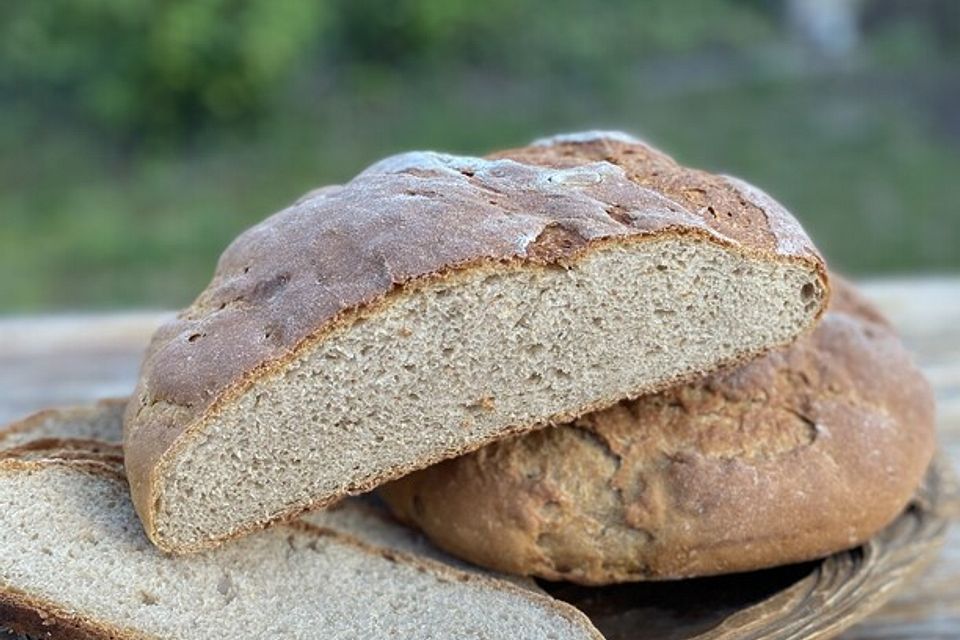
(74, 563)
(436, 303)
(796, 455)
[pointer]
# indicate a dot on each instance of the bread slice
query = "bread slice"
(74, 563)
(436, 303)
(101, 422)
(794, 456)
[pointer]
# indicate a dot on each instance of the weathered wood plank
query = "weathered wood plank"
(927, 314)
(58, 360)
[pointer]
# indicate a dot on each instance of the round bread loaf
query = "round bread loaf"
(429, 306)
(796, 455)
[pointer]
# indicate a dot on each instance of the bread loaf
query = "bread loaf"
(436, 303)
(806, 451)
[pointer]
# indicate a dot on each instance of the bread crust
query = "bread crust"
(67, 449)
(342, 253)
(804, 452)
(38, 619)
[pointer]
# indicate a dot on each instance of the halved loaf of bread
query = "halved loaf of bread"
(74, 563)
(798, 454)
(436, 303)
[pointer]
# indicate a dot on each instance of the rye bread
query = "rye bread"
(436, 303)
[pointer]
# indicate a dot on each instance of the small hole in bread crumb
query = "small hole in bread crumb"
(535, 349)
(806, 292)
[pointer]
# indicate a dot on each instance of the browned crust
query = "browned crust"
(445, 216)
(794, 456)
(60, 443)
(79, 449)
(731, 207)
(33, 616)
(37, 618)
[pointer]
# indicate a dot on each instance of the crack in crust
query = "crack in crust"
(714, 199)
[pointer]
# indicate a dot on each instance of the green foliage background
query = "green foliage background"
(139, 137)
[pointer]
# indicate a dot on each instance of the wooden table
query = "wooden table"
(48, 361)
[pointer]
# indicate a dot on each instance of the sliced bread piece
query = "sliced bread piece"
(86, 432)
(74, 563)
(796, 455)
(102, 421)
(436, 303)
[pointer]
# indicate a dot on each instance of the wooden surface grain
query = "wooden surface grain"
(70, 359)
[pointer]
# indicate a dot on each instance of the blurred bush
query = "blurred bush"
(138, 67)
(144, 67)
(139, 137)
